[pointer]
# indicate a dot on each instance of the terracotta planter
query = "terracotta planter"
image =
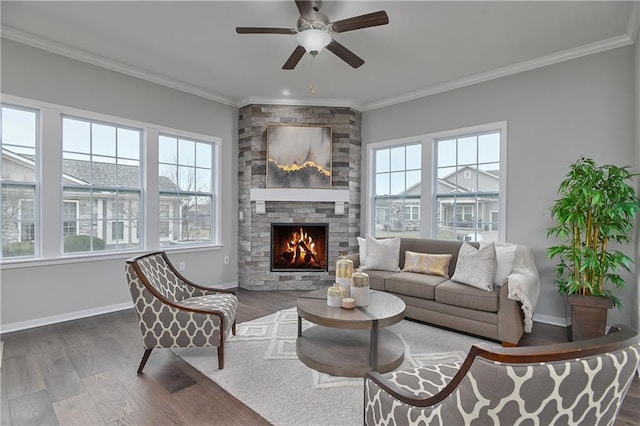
(588, 316)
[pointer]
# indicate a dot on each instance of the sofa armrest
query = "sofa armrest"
(510, 318)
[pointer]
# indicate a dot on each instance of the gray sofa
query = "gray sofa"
(440, 301)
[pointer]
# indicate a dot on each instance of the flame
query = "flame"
(302, 247)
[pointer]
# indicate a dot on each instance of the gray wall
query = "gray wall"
(554, 114)
(41, 291)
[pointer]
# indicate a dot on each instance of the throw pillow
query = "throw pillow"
(382, 254)
(505, 256)
(476, 267)
(425, 263)
(362, 246)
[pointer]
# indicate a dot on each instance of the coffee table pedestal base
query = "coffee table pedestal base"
(347, 353)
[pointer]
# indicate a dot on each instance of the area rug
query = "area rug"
(263, 371)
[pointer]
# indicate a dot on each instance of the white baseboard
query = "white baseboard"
(85, 313)
(548, 319)
(54, 319)
(227, 285)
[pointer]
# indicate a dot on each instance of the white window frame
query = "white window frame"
(94, 187)
(48, 247)
(429, 184)
(8, 102)
(214, 192)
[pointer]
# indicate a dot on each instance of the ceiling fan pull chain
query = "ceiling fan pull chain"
(311, 88)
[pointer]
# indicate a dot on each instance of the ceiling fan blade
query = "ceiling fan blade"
(305, 7)
(372, 19)
(263, 30)
(295, 57)
(345, 54)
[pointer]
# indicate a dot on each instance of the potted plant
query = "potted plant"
(597, 206)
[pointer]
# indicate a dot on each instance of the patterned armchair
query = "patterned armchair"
(174, 312)
(571, 383)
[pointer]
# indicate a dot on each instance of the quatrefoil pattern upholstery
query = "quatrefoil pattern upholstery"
(173, 312)
(585, 391)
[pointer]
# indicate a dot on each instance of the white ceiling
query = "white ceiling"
(428, 46)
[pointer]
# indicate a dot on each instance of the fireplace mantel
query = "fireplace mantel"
(336, 196)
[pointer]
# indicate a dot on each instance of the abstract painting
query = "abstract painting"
(299, 157)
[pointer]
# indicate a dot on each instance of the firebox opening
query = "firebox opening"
(299, 247)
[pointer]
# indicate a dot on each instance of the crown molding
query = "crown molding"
(543, 61)
(258, 100)
(84, 56)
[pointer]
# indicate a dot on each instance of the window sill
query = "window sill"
(93, 257)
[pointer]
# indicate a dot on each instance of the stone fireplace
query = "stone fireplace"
(299, 247)
(337, 209)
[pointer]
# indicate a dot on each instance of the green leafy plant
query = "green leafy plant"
(597, 205)
(17, 248)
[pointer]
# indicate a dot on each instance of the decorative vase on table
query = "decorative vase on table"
(360, 288)
(344, 269)
(335, 294)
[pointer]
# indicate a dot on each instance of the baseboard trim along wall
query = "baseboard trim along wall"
(85, 313)
(548, 319)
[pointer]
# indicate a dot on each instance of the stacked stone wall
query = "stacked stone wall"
(254, 233)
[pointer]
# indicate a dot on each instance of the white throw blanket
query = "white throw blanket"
(524, 283)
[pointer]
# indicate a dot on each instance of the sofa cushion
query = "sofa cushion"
(413, 284)
(377, 278)
(425, 263)
(457, 294)
(476, 267)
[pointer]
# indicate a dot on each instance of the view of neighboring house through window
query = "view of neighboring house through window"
(19, 170)
(186, 191)
(396, 190)
(101, 186)
(467, 199)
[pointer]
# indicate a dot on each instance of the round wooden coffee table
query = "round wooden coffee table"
(350, 342)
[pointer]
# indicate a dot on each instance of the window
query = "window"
(397, 190)
(117, 231)
(412, 212)
(70, 217)
(102, 179)
(461, 194)
(19, 170)
(467, 198)
(27, 223)
(83, 195)
(186, 191)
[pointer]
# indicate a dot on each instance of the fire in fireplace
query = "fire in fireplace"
(299, 247)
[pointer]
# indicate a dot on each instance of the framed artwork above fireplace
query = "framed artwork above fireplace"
(299, 156)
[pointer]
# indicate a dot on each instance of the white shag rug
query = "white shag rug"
(263, 371)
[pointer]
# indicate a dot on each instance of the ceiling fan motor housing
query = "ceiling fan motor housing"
(320, 21)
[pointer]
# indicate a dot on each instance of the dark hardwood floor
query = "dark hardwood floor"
(83, 372)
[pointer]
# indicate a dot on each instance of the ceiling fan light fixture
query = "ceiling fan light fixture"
(313, 40)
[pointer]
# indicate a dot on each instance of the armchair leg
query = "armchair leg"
(145, 357)
(220, 357)
(233, 328)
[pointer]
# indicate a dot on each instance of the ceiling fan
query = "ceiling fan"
(314, 32)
